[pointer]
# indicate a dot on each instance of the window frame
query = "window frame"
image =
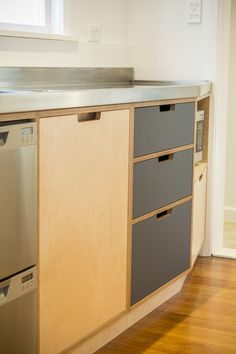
(53, 21)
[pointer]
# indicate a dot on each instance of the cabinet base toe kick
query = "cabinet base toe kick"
(138, 311)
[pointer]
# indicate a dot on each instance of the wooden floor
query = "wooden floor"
(230, 235)
(200, 320)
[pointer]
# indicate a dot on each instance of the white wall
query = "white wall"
(165, 47)
(230, 180)
(111, 15)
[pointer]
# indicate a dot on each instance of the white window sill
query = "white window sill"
(34, 35)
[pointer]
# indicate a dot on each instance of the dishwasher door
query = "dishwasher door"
(18, 314)
(17, 197)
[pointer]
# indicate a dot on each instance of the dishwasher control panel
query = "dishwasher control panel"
(27, 135)
(18, 285)
(28, 281)
(16, 135)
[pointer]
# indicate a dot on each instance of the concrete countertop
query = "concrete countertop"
(58, 97)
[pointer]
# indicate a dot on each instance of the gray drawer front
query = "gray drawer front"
(160, 251)
(157, 131)
(160, 183)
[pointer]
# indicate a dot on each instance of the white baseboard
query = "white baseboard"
(230, 214)
(226, 253)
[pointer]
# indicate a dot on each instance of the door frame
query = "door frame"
(217, 138)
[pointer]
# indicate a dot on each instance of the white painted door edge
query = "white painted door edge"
(218, 130)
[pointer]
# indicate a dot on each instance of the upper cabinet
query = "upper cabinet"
(83, 218)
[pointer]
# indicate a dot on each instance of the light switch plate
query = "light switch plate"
(194, 11)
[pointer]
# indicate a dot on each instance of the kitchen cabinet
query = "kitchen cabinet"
(163, 127)
(161, 181)
(162, 196)
(83, 220)
(114, 198)
(200, 184)
(113, 227)
(199, 209)
(160, 250)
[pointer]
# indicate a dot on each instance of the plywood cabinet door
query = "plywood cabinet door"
(199, 212)
(83, 208)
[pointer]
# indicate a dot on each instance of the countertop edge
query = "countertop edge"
(42, 101)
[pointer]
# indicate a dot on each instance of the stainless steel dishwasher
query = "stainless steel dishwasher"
(18, 237)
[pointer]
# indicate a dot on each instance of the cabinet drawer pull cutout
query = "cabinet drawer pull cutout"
(165, 157)
(87, 117)
(163, 214)
(167, 107)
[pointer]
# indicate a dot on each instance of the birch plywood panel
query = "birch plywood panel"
(83, 225)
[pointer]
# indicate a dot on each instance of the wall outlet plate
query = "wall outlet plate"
(194, 11)
(94, 33)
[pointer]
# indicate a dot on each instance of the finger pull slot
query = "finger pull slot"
(164, 214)
(200, 178)
(165, 157)
(87, 117)
(167, 107)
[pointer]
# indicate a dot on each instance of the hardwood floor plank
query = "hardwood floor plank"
(199, 320)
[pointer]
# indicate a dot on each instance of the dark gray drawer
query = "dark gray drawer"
(160, 250)
(158, 183)
(156, 130)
